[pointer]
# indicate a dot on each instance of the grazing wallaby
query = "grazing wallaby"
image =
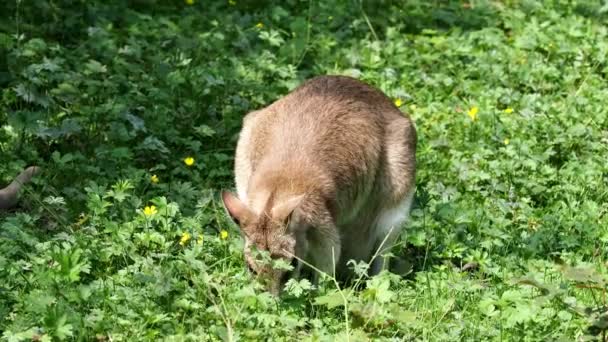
(10, 194)
(326, 173)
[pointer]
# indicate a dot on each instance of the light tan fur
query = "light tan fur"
(324, 173)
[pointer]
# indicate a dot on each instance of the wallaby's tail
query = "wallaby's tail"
(10, 194)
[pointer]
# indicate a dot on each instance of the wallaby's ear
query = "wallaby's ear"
(237, 210)
(283, 211)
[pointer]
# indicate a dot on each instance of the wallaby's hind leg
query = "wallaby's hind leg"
(398, 187)
(389, 226)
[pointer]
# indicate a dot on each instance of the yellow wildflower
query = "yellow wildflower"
(189, 2)
(508, 110)
(398, 102)
(473, 113)
(506, 141)
(185, 238)
(189, 161)
(223, 234)
(199, 240)
(150, 210)
(154, 179)
(259, 25)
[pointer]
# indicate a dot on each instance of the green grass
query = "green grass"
(508, 236)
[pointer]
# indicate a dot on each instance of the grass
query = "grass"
(507, 239)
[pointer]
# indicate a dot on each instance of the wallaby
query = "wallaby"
(325, 174)
(10, 194)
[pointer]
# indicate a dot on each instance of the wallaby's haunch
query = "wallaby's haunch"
(10, 194)
(326, 173)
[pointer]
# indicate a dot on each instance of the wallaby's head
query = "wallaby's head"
(273, 230)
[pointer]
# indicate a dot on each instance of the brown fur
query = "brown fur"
(316, 170)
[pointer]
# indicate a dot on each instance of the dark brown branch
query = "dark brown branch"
(10, 194)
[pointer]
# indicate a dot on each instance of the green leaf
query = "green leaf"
(94, 67)
(204, 130)
(331, 300)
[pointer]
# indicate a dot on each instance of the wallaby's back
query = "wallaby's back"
(330, 125)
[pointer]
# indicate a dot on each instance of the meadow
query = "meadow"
(132, 110)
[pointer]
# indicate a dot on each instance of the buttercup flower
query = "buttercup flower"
(189, 2)
(473, 113)
(223, 234)
(506, 141)
(398, 102)
(508, 110)
(185, 238)
(150, 210)
(259, 25)
(154, 179)
(189, 161)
